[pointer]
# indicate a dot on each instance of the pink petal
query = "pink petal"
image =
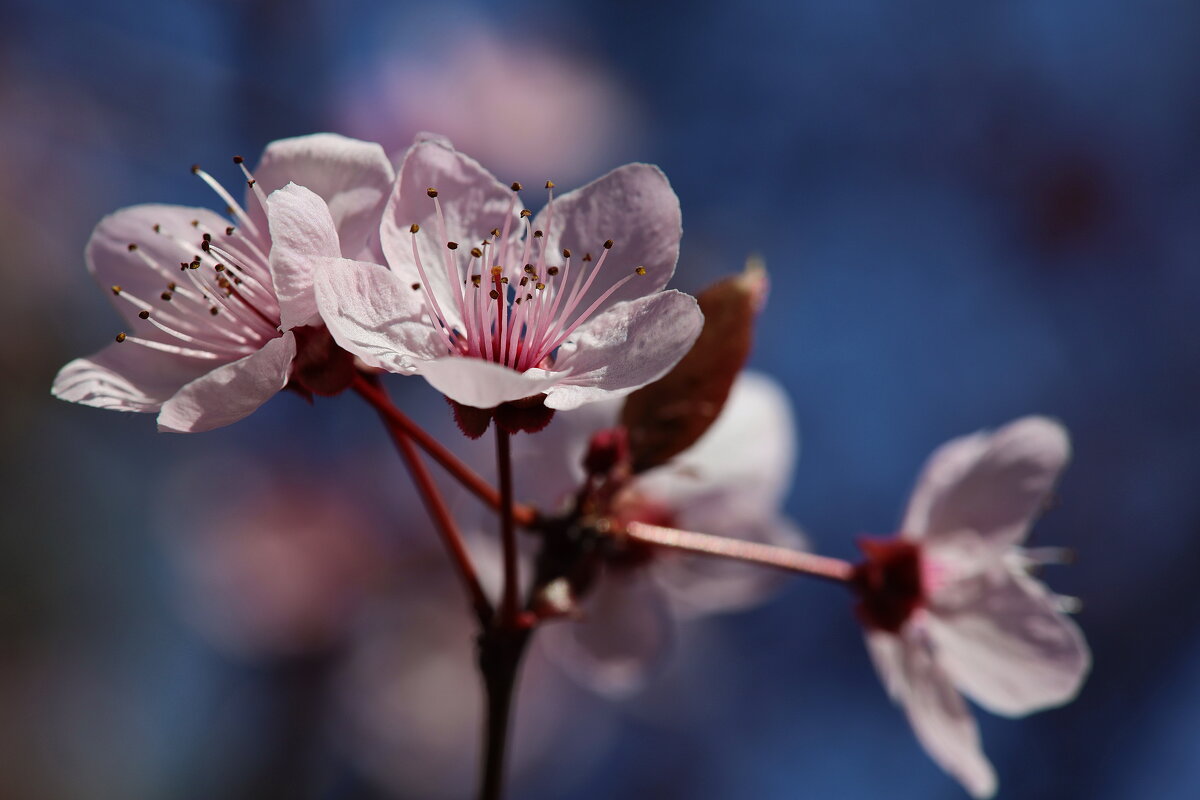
(937, 713)
(743, 463)
(626, 632)
(1007, 646)
(549, 466)
(126, 377)
(353, 177)
(636, 207)
(626, 347)
(301, 232)
(372, 313)
(113, 264)
(473, 202)
(230, 392)
(990, 484)
(484, 384)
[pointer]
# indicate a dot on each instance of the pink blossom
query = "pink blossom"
(731, 482)
(215, 310)
(950, 606)
(491, 306)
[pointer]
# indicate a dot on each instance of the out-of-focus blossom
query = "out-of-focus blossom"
(409, 699)
(491, 308)
(949, 604)
(731, 482)
(279, 564)
(520, 104)
(218, 313)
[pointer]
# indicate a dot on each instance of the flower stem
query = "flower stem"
(509, 602)
(832, 569)
(396, 419)
(500, 652)
(435, 504)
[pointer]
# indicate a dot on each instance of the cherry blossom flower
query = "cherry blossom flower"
(219, 314)
(491, 306)
(731, 482)
(949, 604)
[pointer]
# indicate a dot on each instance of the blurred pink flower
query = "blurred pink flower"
(949, 604)
(506, 319)
(217, 309)
(731, 482)
(520, 104)
(281, 566)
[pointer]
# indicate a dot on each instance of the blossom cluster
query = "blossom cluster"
(651, 466)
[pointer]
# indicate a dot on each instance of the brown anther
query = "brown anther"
(451, 245)
(432, 192)
(516, 186)
(475, 251)
(194, 265)
(494, 294)
(116, 289)
(184, 264)
(238, 159)
(157, 228)
(120, 337)
(566, 253)
(207, 238)
(608, 245)
(132, 247)
(171, 286)
(497, 271)
(165, 296)
(495, 232)
(416, 286)
(205, 245)
(144, 314)
(529, 269)
(549, 184)
(524, 281)
(504, 281)
(525, 212)
(230, 210)
(552, 271)
(219, 268)
(229, 230)
(414, 228)
(250, 183)
(195, 223)
(539, 286)
(640, 270)
(213, 311)
(587, 256)
(195, 169)
(537, 234)
(476, 279)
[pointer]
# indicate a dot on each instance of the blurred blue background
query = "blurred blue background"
(971, 211)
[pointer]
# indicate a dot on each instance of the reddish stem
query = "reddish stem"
(398, 420)
(434, 503)
(509, 603)
(766, 555)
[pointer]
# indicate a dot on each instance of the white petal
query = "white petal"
(353, 177)
(626, 347)
(112, 263)
(373, 314)
(744, 460)
(626, 632)
(126, 377)
(938, 714)
(473, 203)
(1005, 645)
(230, 392)
(549, 466)
(990, 484)
(484, 384)
(636, 207)
(301, 231)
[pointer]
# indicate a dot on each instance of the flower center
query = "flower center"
(524, 306)
(218, 303)
(888, 583)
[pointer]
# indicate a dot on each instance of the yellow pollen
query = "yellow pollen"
(432, 192)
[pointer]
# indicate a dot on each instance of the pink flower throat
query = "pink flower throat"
(218, 303)
(517, 312)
